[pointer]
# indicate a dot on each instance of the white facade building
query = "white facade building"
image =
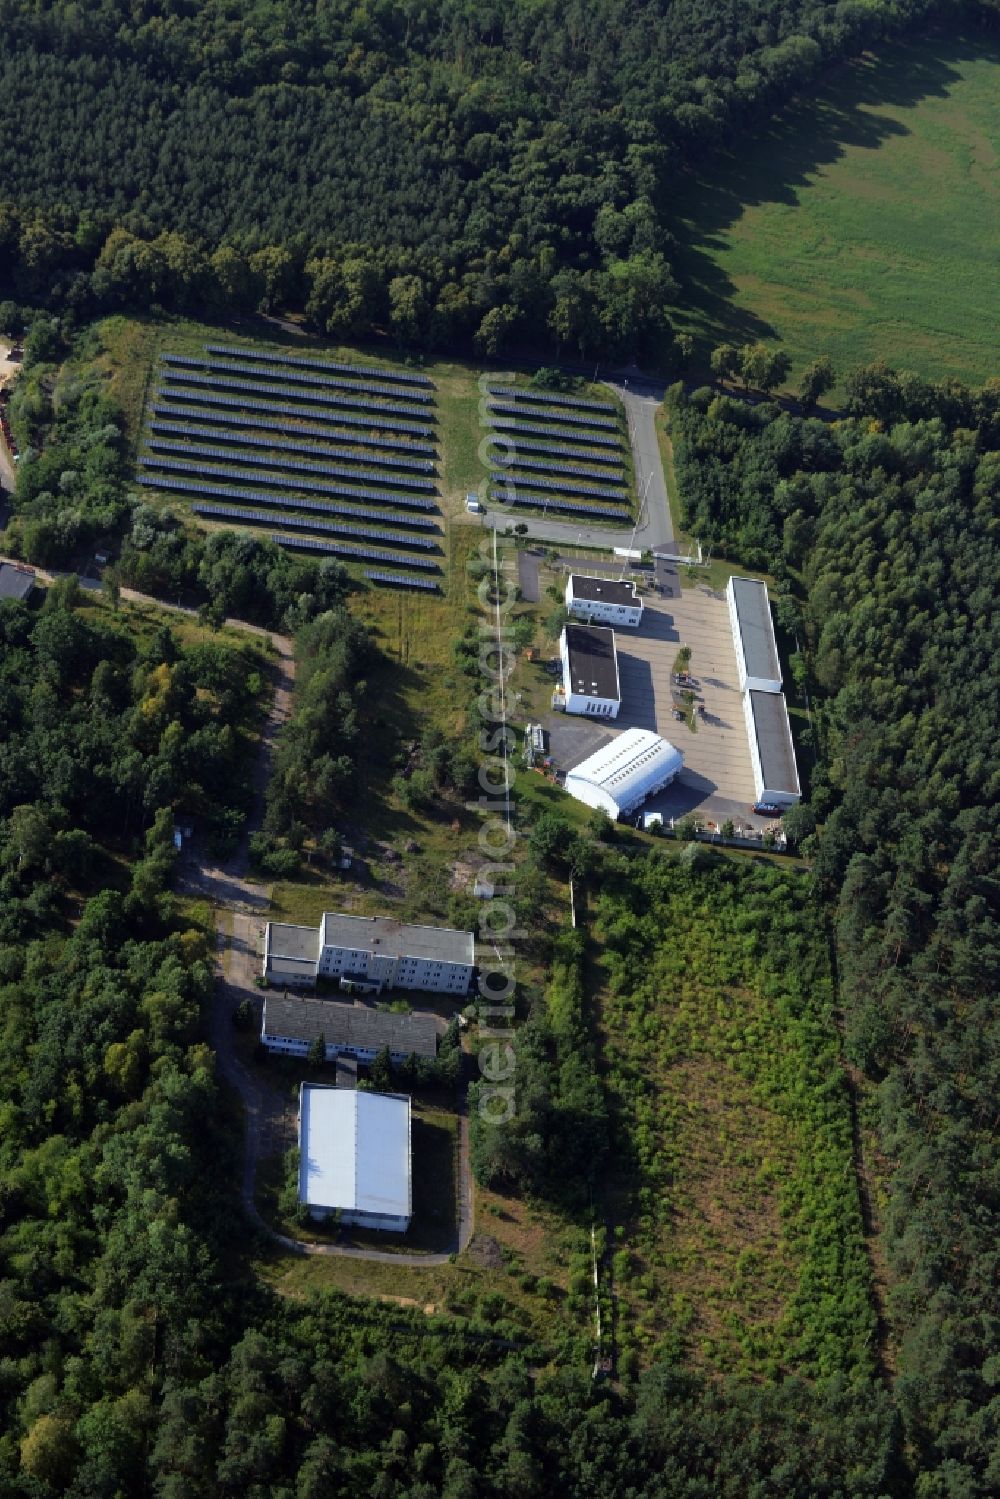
(621, 775)
(589, 671)
(757, 662)
(370, 954)
(603, 601)
(772, 754)
(355, 1157)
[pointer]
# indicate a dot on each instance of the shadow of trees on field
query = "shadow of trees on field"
(774, 162)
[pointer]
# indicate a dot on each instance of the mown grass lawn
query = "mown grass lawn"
(863, 222)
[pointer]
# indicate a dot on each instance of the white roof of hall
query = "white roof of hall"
(753, 612)
(355, 1150)
(398, 939)
(627, 761)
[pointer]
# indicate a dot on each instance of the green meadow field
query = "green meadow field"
(863, 222)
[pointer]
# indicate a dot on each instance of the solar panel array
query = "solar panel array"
(402, 377)
(340, 382)
(271, 445)
(281, 392)
(262, 518)
(273, 408)
(263, 424)
(249, 408)
(283, 502)
(534, 465)
(352, 553)
(573, 507)
(515, 424)
(257, 460)
(512, 408)
(278, 481)
(398, 580)
(529, 453)
(515, 442)
(515, 393)
(561, 486)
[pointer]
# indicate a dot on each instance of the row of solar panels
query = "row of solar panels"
(515, 393)
(282, 392)
(333, 528)
(515, 424)
(178, 429)
(337, 382)
(234, 351)
(293, 465)
(540, 466)
(315, 507)
(259, 424)
(512, 408)
(360, 554)
(514, 442)
(559, 486)
(399, 580)
(544, 502)
(314, 486)
(235, 402)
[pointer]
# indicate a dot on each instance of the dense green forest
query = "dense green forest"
(481, 176)
(882, 532)
(450, 172)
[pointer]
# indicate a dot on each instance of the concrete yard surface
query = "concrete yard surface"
(717, 779)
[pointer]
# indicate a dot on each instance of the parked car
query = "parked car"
(767, 809)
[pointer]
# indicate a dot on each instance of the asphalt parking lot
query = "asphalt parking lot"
(717, 779)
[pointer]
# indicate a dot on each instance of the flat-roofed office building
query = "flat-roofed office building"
(603, 601)
(370, 954)
(589, 671)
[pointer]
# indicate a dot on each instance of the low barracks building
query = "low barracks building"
(293, 1023)
(370, 954)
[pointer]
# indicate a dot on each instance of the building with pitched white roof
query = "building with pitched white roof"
(622, 774)
(355, 1158)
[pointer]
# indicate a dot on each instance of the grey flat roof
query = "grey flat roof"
(15, 582)
(399, 939)
(753, 611)
(603, 590)
(357, 1026)
(774, 742)
(298, 943)
(593, 664)
(292, 971)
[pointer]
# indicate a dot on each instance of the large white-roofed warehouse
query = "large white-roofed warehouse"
(624, 773)
(753, 635)
(354, 1157)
